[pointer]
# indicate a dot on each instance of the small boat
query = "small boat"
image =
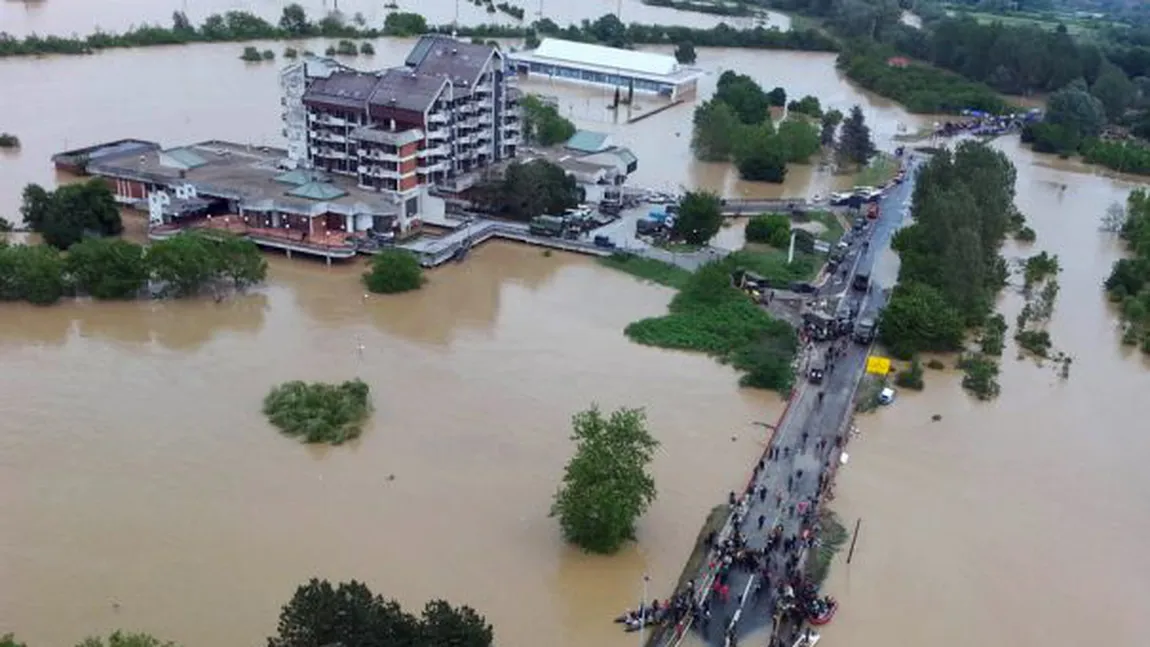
(823, 612)
(807, 639)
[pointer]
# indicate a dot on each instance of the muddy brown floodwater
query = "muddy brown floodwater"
(136, 469)
(65, 17)
(1021, 521)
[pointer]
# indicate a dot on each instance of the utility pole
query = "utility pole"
(854, 538)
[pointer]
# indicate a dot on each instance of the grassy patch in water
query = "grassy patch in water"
(319, 412)
(710, 316)
(832, 536)
(881, 169)
(648, 268)
(771, 263)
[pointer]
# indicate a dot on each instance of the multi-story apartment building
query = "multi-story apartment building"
(450, 111)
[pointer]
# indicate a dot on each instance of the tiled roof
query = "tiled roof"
(445, 57)
(299, 177)
(185, 157)
(587, 141)
(406, 90)
(318, 191)
(346, 89)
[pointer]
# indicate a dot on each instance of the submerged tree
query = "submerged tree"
(830, 125)
(125, 639)
(68, 214)
(350, 615)
(606, 487)
(394, 271)
(699, 219)
(107, 268)
(685, 53)
(318, 412)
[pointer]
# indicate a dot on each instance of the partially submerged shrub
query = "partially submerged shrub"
(318, 412)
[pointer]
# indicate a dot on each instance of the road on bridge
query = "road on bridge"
(799, 462)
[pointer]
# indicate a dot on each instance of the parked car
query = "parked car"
(604, 242)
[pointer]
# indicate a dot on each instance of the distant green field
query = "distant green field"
(1075, 26)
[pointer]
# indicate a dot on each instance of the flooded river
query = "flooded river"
(1021, 521)
(65, 17)
(141, 488)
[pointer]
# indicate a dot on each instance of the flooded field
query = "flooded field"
(65, 17)
(141, 488)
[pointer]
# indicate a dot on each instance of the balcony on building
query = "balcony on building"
(385, 144)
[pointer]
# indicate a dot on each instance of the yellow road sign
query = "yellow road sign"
(878, 365)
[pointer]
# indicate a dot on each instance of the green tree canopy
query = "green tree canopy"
(1074, 108)
(951, 269)
(64, 216)
(293, 21)
(829, 127)
(542, 123)
(799, 139)
(404, 23)
(443, 625)
(777, 97)
(699, 219)
(761, 155)
(685, 53)
(350, 615)
(1115, 90)
(33, 273)
(606, 487)
(855, 144)
(773, 229)
(125, 639)
(528, 190)
(717, 131)
(318, 412)
(393, 271)
(918, 319)
(107, 268)
(743, 95)
(808, 105)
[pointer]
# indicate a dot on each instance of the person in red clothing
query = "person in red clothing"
(724, 591)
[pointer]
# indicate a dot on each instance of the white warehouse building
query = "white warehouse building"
(599, 65)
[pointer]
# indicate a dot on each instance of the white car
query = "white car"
(886, 396)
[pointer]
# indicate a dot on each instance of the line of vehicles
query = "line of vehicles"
(573, 224)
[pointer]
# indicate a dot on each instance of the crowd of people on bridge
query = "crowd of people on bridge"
(776, 565)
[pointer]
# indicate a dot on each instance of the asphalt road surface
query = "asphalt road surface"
(806, 443)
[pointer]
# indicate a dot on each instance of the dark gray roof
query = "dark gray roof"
(403, 89)
(446, 57)
(348, 89)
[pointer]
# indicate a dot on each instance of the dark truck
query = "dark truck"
(865, 329)
(547, 226)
